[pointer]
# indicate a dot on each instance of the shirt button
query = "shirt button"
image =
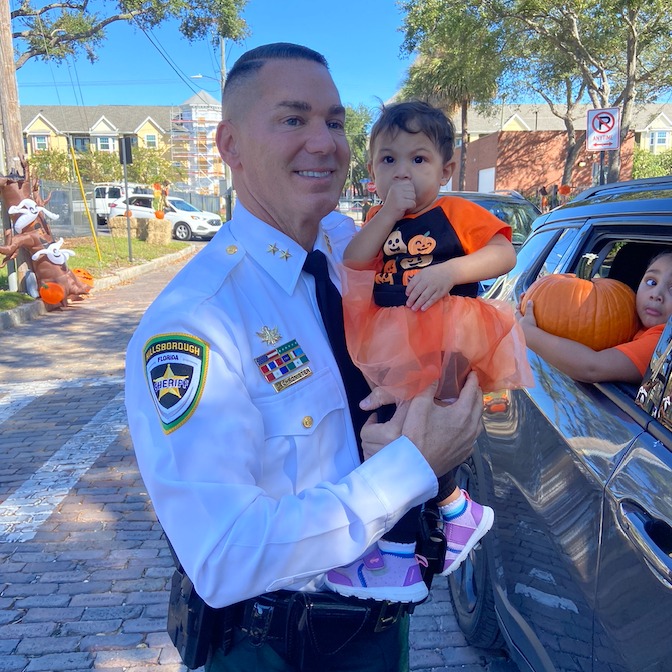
(231, 249)
(307, 422)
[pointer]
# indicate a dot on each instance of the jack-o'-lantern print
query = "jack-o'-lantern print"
(407, 275)
(394, 244)
(419, 261)
(421, 244)
(390, 266)
(384, 279)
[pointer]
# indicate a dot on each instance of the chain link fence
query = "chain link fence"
(66, 201)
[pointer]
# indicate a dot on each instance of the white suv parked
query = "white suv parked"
(107, 193)
(187, 220)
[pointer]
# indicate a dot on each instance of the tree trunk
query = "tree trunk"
(465, 143)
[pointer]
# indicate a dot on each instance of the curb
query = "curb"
(31, 311)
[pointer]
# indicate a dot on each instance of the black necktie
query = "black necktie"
(331, 308)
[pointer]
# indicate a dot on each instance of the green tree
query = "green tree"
(442, 33)
(152, 165)
(51, 164)
(646, 164)
(538, 67)
(99, 166)
(619, 48)
(57, 30)
(357, 123)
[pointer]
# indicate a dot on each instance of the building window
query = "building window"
(40, 143)
(134, 140)
(105, 144)
(657, 138)
(81, 144)
(150, 142)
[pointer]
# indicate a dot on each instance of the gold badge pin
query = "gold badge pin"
(269, 335)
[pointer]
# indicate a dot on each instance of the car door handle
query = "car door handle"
(652, 536)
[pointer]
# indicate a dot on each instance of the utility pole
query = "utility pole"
(10, 117)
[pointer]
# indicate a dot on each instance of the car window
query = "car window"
(99, 192)
(534, 249)
(142, 202)
(179, 204)
(113, 192)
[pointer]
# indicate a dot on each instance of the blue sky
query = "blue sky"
(360, 39)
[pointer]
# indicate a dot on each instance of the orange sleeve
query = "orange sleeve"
(372, 211)
(640, 350)
(474, 225)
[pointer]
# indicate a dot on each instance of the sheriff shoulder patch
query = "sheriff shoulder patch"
(176, 366)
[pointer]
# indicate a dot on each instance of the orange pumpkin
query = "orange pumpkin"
(390, 267)
(52, 293)
(599, 313)
(159, 214)
(84, 276)
(421, 244)
(407, 275)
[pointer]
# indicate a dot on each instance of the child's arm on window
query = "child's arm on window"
(575, 359)
(368, 242)
(434, 282)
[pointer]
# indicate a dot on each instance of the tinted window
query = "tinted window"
(179, 204)
(142, 202)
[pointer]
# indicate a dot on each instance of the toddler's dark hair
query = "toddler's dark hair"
(416, 116)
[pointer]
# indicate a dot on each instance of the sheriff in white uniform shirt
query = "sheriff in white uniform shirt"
(241, 426)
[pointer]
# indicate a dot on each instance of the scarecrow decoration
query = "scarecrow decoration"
(30, 231)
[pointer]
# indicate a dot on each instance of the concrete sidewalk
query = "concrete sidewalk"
(30, 311)
(84, 565)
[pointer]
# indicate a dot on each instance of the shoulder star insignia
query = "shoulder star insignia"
(272, 248)
(268, 335)
(285, 254)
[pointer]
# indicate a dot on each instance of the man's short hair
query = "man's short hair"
(416, 116)
(252, 61)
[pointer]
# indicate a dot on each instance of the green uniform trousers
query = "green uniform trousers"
(369, 652)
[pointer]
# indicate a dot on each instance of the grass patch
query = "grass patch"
(114, 253)
(9, 300)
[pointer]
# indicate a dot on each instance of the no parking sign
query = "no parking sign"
(603, 129)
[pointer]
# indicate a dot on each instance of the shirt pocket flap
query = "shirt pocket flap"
(300, 408)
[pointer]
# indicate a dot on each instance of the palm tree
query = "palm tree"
(458, 64)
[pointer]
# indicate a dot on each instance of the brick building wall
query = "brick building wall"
(527, 160)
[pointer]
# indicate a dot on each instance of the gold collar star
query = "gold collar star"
(285, 254)
(269, 335)
(272, 248)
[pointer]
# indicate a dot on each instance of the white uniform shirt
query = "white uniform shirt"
(257, 489)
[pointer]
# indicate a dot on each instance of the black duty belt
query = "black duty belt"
(279, 615)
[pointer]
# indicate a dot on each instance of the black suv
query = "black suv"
(509, 206)
(576, 573)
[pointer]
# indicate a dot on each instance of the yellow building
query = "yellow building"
(186, 133)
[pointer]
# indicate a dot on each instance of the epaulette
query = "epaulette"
(230, 252)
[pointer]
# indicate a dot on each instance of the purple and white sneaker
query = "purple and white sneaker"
(463, 531)
(381, 575)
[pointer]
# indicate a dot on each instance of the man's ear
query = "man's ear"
(227, 143)
(448, 169)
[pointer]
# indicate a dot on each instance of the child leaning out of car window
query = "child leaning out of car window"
(626, 362)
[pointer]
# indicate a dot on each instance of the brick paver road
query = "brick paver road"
(84, 568)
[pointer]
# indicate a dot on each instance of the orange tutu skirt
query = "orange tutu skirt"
(404, 351)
